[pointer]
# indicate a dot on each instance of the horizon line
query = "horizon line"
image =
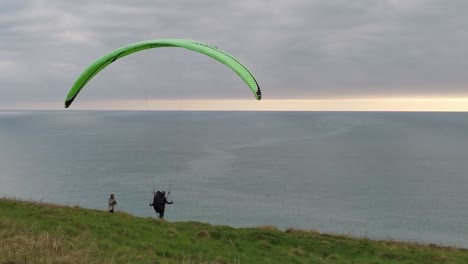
(376, 104)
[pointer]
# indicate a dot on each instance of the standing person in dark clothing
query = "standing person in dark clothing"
(159, 203)
(112, 202)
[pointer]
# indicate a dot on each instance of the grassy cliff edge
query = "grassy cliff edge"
(32, 232)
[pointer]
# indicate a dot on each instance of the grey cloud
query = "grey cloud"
(296, 48)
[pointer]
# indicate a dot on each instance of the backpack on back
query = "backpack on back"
(158, 201)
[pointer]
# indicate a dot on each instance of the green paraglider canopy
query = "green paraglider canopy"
(202, 48)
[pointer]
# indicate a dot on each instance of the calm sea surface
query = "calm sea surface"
(402, 176)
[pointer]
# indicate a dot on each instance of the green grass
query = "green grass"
(33, 232)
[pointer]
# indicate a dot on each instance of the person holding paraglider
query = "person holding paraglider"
(159, 202)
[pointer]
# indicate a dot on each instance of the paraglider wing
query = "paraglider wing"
(205, 49)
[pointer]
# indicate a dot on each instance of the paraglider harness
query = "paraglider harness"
(158, 202)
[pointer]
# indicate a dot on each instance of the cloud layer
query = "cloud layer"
(297, 49)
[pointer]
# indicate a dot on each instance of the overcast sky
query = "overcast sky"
(297, 49)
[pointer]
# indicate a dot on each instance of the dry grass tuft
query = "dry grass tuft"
(22, 247)
(204, 234)
(293, 230)
(297, 252)
(172, 232)
(268, 227)
(19, 245)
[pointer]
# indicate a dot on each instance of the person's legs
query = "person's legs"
(161, 214)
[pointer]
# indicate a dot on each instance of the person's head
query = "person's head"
(112, 195)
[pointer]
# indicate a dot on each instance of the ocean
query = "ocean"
(380, 175)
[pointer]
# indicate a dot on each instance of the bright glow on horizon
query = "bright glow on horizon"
(449, 104)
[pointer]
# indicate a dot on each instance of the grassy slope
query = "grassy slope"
(40, 233)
